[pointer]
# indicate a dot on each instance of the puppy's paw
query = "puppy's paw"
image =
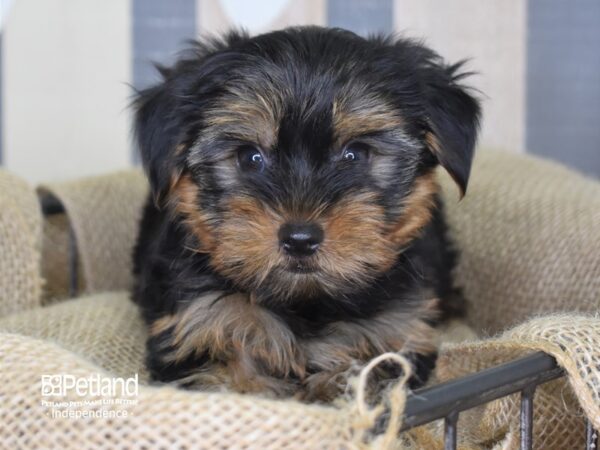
(224, 339)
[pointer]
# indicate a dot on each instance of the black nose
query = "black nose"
(300, 239)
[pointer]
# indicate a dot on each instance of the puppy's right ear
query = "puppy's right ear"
(158, 136)
(453, 121)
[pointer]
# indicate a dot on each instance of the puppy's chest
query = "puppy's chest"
(236, 332)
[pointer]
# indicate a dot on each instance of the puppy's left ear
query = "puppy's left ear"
(452, 122)
(157, 133)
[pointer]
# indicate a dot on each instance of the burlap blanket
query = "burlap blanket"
(529, 232)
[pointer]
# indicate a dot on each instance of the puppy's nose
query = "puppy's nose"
(300, 239)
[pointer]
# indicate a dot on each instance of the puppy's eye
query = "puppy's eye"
(356, 151)
(250, 159)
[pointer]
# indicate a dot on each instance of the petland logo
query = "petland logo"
(60, 385)
(100, 397)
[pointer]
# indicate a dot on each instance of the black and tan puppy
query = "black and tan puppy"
(295, 230)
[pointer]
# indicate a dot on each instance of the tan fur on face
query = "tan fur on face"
(356, 113)
(433, 143)
(357, 246)
(354, 250)
(248, 246)
(253, 350)
(184, 199)
(248, 115)
(416, 212)
(354, 242)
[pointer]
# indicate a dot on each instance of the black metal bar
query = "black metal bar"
(73, 264)
(51, 205)
(526, 424)
(450, 435)
(591, 436)
(436, 402)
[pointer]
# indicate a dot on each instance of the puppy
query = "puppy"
(295, 229)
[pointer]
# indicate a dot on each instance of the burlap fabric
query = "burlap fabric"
(20, 242)
(529, 235)
(104, 212)
(556, 210)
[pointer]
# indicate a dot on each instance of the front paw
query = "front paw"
(224, 339)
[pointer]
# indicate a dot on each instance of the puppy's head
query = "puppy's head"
(302, 160)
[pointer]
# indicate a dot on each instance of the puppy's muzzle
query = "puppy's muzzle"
(300, 239)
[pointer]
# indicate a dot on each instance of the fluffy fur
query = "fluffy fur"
(310, 126)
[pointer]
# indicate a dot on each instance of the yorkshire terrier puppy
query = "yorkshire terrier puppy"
(294, 230)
